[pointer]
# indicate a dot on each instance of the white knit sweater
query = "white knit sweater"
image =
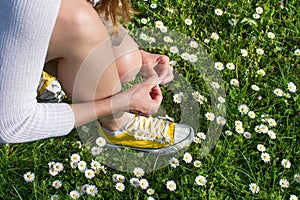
(25, 31)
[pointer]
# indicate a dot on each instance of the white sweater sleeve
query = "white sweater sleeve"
(25, 30)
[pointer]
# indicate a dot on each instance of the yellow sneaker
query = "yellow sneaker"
(151, 134)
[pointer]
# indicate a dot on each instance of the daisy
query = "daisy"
(257, 129)
(219, 66)
(263, 128)
(272, 122)
(174, 162)
(297, 52)
(144, 21)
(85, 129)
(73, 164)
(193, 58)
(151, 40)
(95, 165)
(272, 134)
(256, 16)
(96, 150)
(159, 24)
(254, 188)
(230, 66)
(221, 99)
(214, 36)
(260, 51)
(193, 44)
(144, 184)
(58, 167)
(153, 5)
(143, 36)
(91, 190)
(278, 92)
(234, 82)
(172, 63)
(29, 176)
(251, 114)
(210, 116)
(229, 133)
(243, 109)
(286, 163)
(78, 143)
(197, 163)
(75, 157)
(134, 182)
(196, 140)
(271, 35)
(188, 22)
(57, 184)
(293, 197)
(89, 174)
(297, 178)
(53, 172)
(151, 198)
(221, 120)
(82, 166)
(259, 10)
(265, 157)
(118, 178)
(201, 135)
(247, 135)
(261, 148)
(206, 41)
(215, 85)
(138, 172)
(200, 180)
(54, 197)
(174, 49)
(218, 12)
(177, 98)
(292, 87)
(187, 157)
(239, 129)
(284, 183)
(171, 185)
(185, 56)
(244, 52)
(150, 191)
(74, 194)
(261, 72)
(120, 187)
(101, 142)
(168, 40)
(198, 97)
(238, 123)
(255, 88)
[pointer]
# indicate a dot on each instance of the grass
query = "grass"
(234, 162)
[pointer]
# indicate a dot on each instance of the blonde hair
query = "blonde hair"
(116, 10)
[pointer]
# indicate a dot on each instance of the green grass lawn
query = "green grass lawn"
(259, 144)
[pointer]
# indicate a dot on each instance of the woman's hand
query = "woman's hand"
(156, 64)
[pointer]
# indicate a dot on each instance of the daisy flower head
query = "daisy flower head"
(259, 10)
(171, 185)
(153, 5)
(200, 180)
(292, 87)
(261, 148)
(238, 123)
(229, 133)
(218, 12)
(188, 21)
(254, 188)
(29, 177)
(138, 172)
(286, 163)
(255, 88)
(230, 66)
(210, 116)
(174, 49)
(194, 44)
(120, 187)
(187, 157)
(243, 109)
(144, 21)
(172, 63)
(54, 197)
(150, 191)
(75, 157)
(58, 167)
(247, 135)
(159, 24)
(95, 165)
(151, 198)
(85, 129)
(206, 41)
(284, 183)
(215, 36)
(56, 184)
(297, 178)
(118, 178)
(81, 166)
(197, 163)
(198, 97)
(185, 56)
(293, 197)
(265, 157)
(196, 140)
(89, 174)
(239, 129)
(263, 128)
(272, 134)
(260, 51)
(91, 190)
(297, 52)
(244, 52)
(278, 92)
(53, 172)
(272, 122)
(143, 36)
(177, 98)
(221, 120)
(193, 58)
(256, 16)
(74, 194)
(201, 135)
(215, 85)
(251, 114)
(261, 72)
(221, 99)
(151, 40)
(100, 141)
(271, 35)
(144, 184)
(134, 182)
(167, 39)
(219, 66)
(96, 150)
(174, 162)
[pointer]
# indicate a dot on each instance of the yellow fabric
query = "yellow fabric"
(47, 79)
(125, 139)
